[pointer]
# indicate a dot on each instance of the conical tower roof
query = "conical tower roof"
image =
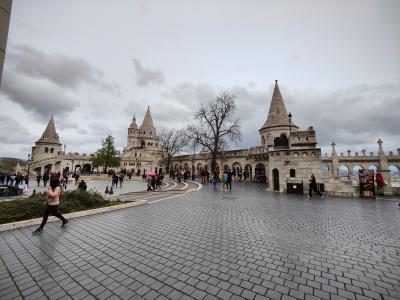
(50, 135)
(147, 121)
(277, 115)
(133, 124)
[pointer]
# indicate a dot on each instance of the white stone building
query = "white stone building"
(284, 159)
(143, 151)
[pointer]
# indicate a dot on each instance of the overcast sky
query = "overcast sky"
(95, 63)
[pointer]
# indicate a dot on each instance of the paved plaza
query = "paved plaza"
(244, 244)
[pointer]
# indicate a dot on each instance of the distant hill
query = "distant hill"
(8, 164)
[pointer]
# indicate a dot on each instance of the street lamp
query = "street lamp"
(290, 122)
(29, 165)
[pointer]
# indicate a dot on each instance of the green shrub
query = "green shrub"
(32, 207)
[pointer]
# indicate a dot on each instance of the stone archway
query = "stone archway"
(236, 168)
(38, 170)
(199, 168)
(248, 169)
(47, 169)
(259, 175)
(275, 178)
(87, 168)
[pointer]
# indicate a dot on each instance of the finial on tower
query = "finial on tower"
(333, 149)
(276, 81)
(380, 151)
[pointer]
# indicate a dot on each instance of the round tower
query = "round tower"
(48, 145)
(278, 126)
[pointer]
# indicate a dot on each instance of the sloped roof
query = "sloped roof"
(50, 134)
(277, 115)
(147, 121)
(133, 124)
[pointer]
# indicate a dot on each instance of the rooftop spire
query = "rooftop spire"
(50, 134)
(277, 115)
(148, 121)
(133, 124)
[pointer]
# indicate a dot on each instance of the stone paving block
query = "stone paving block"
(245, 245)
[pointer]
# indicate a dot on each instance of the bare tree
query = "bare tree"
(215, 127)
(172, 142)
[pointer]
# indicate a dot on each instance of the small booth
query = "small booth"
(294, 186)
(367, 183)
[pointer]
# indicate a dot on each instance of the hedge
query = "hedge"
(31, 208)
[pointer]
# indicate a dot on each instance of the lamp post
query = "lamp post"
(290, 122)
(29, 166)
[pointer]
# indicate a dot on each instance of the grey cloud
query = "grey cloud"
(12, 132)
(146, 76)
(42, 98)
(354, 117)
(62, 70)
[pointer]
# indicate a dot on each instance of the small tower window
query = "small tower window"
(46, 150)
(292, 173)
(51, 150)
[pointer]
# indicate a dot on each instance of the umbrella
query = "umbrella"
(152, 173)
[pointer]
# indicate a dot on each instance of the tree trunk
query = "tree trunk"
(213, 162)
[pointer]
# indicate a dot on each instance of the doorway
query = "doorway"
(275, 177)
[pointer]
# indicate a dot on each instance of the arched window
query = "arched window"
(281, 141)
(46, 149)
(292, 173)
(51, 150)
(325, 168)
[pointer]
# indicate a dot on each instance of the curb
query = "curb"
(31, 222)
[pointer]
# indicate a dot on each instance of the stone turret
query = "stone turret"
(48, 145)
(133, 124)
(49, 135)
(277, 124)
(144, 136)
(147, 124)
(277, 115)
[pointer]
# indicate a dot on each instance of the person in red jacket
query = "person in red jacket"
(380, 183)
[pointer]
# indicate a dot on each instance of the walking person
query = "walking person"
(313, 187)
(121, 179)
(230, 178)
(38, 179)
(52, 202)
(26, 178)
(380, 183)
(214, 181)
(225, 180)
(45, 178)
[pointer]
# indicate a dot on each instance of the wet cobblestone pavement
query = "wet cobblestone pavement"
(243, 244)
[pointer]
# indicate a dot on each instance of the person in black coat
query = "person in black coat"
(313, 187)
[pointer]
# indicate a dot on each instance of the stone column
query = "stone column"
(384, 168)
(335, 161)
